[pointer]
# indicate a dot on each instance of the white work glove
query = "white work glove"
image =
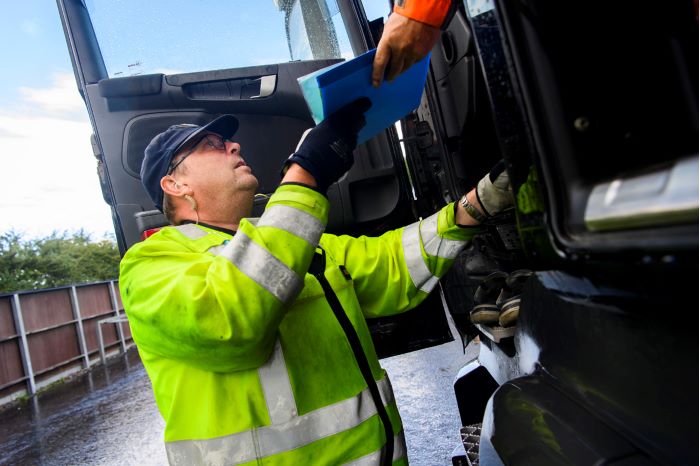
(494, 191)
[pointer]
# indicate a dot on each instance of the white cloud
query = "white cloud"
(29, 27)
(49, 180)
(61, 99)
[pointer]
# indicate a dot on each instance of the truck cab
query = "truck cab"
(594, 111)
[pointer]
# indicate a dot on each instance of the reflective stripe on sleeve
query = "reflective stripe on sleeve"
(375, 458)
(294, 221)
(262, 267)
(420, 274)
(434, 245)
(274, 379)
(256, 262)
(270, 440)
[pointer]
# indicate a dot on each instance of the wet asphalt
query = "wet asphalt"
(107, 416)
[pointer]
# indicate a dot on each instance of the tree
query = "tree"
(56, 260)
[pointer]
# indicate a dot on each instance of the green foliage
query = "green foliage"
(56, 260)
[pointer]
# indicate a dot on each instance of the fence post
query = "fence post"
(115, 306)
(101, 342)
(75, 305)
(24, 347)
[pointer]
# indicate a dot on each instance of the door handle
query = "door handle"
(267, 86)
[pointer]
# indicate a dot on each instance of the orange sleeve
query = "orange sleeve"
(430, 12)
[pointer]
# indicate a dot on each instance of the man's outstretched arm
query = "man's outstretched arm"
(409, 34)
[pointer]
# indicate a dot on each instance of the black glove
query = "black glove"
(326, 150)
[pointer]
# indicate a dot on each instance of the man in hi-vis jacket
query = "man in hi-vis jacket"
(253, 331)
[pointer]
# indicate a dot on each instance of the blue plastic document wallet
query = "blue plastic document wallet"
(335, 86)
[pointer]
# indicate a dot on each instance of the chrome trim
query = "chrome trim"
(664, 197)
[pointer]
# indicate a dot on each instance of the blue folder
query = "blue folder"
(330, 88)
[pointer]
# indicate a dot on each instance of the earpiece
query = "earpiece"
(192, 201)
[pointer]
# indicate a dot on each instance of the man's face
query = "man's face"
(214, 166)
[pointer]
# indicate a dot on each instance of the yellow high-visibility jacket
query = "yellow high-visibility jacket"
(248, 362)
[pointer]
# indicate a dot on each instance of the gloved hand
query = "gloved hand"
(494, 191)
(326, 151)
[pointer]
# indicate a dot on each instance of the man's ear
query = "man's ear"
(172, 187)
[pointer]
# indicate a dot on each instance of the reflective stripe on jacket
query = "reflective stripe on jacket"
(246, 358)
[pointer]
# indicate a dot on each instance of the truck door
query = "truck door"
(597, 120)
(143, 66)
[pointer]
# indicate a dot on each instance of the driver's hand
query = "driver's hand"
(404, 42)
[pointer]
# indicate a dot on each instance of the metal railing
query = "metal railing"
(112, 320)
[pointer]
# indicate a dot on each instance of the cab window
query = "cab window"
(180, 36)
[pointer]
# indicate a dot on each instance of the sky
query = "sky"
(48, 173)
(48, 178)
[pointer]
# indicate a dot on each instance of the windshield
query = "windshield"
(179, 36)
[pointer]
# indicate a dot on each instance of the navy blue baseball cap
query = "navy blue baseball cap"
(160, 151)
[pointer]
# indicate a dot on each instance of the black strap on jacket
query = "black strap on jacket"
(318, 266)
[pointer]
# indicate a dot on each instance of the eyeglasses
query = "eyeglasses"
(212, 142)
